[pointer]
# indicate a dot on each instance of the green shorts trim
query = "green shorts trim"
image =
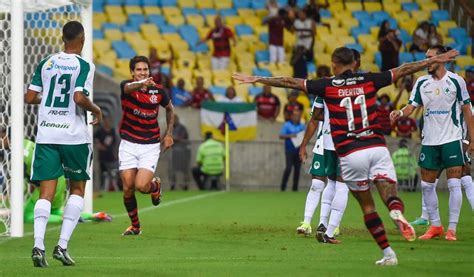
(325, 166)
(436, 157)
(51, 161)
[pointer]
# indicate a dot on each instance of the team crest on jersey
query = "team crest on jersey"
(154, 99)
(316, 165)
(447, 92)
(422, 157)
(338, 82)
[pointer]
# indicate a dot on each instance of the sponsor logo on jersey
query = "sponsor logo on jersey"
(353, 81)
(52, 65)
(429, 112)
(54, 125)
(147, 115)
(153, 91)
(453, 156)
(425, 85)
(338, 82)
(350, 92)
(54, 112)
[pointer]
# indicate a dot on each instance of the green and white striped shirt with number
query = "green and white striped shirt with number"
(442, 100)
(60, 119)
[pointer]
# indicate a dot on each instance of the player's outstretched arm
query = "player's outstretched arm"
(84, 102)
(410, 68)
(32, 97)
(311, 128)
(168, 138)
(134, 86)
(282, 82)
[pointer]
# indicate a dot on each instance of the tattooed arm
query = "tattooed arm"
(282, 82)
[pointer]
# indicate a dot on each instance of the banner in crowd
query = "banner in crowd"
(241, 118)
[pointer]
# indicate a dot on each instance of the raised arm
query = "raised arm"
(134, 86)
(282, 82)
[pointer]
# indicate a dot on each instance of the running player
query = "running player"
(139, 149)
(443, 94)
(63, 144)
(351, 101)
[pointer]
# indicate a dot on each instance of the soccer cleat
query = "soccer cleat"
(408, 232)
(451, 235)
(304, 229)
(39, 258)
(132, 231)
(320, 232)
(328, 239)
(387, 260)
(156, 196)
(62, 255)
(419, 221)
(433, 231)
(101, 216)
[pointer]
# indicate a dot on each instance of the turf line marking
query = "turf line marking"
(144, 210)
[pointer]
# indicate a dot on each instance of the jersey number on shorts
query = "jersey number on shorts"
(360, 100)
(61, 101)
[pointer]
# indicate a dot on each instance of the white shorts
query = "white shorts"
(372, 164)
(136, 155)
(219, 63)
(277, 54)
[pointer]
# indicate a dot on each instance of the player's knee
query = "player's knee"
(427, 187)
(317, 185)
(342, 188)
(454, 184)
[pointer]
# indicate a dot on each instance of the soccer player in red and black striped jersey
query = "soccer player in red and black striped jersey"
(139, 149)
(351, 100)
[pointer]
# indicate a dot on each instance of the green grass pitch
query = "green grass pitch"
(240, 234)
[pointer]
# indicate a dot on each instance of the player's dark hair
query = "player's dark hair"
(282, 12)
(72, 30)
(138, 59)
(356, 55)
(440, 49)
(343, 55)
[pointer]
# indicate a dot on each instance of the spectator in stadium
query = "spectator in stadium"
(276, 26)
(312, 10)
(200, 94)
(420, 38)
(106, 142)
(292, 106)
(221, 36)
(268, 105)
(180, 155)
(389, 46)
(231, 96)
(155, 66)
(210, 162)
(288, 132)
(470, 81)
(179, 95)
(292, 9)
(298, 61)
(434, 38)
(405, 126)
(384, 108)
(272, 7)
(405, 166)
(323, 71)
(305, 29)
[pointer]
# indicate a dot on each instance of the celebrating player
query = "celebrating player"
(443, 94)
(360, 144)
(63, 145)
(139, 149)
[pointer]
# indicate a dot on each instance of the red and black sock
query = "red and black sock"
(132, 209)
(395, 203)
(375, 226)
(154, 187)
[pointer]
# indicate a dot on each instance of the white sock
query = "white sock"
(41, 215)
(326, 200)
(312, 199)
(466, 182)
(388, 252)
(431, 201)
(455, 202)
(72, 212)
(424, 211)
(338, 207)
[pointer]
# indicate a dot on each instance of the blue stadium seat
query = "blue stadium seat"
(98, 6)
(368, 22)
(457, 32)
(355, 46)
(108, 25)
(242, 4)
(188, 11)
(189, 33)
(360, 15)
(136, 19)
(405, 57)
(263, 37)
(410, 7)
(439, 15)
(419, 56)
(114, 2)
(405, 37)
(356, 31)
(393, 23)
(104, 69)
(132, 3)
(311, 67)
(123, 49)
(166, 29)
(208, 12)
(324, 13)
(228, 12)
(97, 34)
(258, 4)
(217, 90)
(380, 16)
(282, 3)
(261, 72)
(166, 70)
(301, 3)
(462, 48)
(168, 3)
(254, 91)
(262, 56)
(243, 29)
(130, 28)
(378, 59)
(157, 19)
(152, 3)
(201, 48)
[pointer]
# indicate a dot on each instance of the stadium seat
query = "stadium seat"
(372, 6)
(369, 23)
(378, 59)
(176, 20)
(101, 45)
(168, 3)
(98, 6)
(457, 32)
(355, 46)
(419, 56)
(410, 7)
(336, 7)
(261, 72)
(107, 26)
(405, 37)
(361, 15)
(409, 25)
(357, 31)
(136, 19)
(217, 90)
(380, 16)
(150, 10)
(444, 26)
(462, 48)
(324, 59)
(168, 29)
(114, 2)
(157, 19)
(190, 10)
(367, 58)
(421, 15)
(201, 48)
(132, 10)
(262, 56)
(186, 3)
(349, 23)
(439, 15)
(205, 4)
(254, 91)
(123, 49)
(243, 29)
(150, 3)
(353, 6)
(131, 2)
(171, 11)
(405, 57)
(113, 34)
(98, 20)
(392, 9)
(223, 4)
(242, 4)
(130, 28)
(115, 14)
(430, 6)
(196, 20)
(324, 13)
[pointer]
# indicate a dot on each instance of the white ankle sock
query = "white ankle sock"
(466, 182)
(41, 214)
(455, 202)
(388, 252)
(312, 199)
(431, 201)
(72, 212)
(326, 200)
(338, 206)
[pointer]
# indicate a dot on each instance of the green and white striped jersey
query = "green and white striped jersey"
(442, 100)
(60, 119)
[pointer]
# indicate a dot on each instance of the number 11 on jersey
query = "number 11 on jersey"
(347, 103)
